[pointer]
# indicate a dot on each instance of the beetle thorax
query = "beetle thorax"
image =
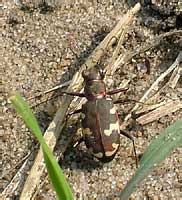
(95, 89)
(94, 85)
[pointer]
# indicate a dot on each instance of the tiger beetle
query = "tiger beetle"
(100, 122)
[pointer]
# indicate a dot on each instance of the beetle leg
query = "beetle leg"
(119, 101)
(77, 139)
(115, 91)
(134, 149)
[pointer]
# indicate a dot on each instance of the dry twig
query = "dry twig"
(175, 76)
(123, 59)
(148, 108)
(166, 109)
(17, 182)
(156, 83)
(110, 68)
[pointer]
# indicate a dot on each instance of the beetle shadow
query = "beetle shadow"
(75, 157)
(79, 159)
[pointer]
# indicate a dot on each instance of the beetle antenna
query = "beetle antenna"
(39, 94)
(45, 100)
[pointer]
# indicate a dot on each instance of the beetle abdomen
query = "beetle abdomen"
(101, 128)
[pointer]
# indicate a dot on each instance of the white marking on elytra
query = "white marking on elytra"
(112, 111)
(115, 145)
(110, 153)
(98, 155)
(112, 127)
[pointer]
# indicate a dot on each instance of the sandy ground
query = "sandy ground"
(37, 47)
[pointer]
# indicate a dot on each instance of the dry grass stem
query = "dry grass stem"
(166, 109)
(123, 59)
(110, 68)
(175, 76)
(57, 124)
(17, 182)
(156, 83)
(150, 107)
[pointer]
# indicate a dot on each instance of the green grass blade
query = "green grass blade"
(56, 175)
(157, 151)
(24, 110)
(156, 143)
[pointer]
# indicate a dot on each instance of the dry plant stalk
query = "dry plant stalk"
(166, 109)
(123, 59)
(148, 108)
(50, 90)
(110, 69)
(57, 124)
(175, 76)
(156, 83)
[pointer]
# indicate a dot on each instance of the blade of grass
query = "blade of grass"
(157, 151)
(170, 132)
(56, 175)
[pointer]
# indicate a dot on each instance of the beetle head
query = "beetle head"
(94, 73)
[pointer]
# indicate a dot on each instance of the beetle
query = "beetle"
(100, 122)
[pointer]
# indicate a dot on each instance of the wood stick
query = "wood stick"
(148, 108)
(110, 67)
(177, 73)
(166, 109)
